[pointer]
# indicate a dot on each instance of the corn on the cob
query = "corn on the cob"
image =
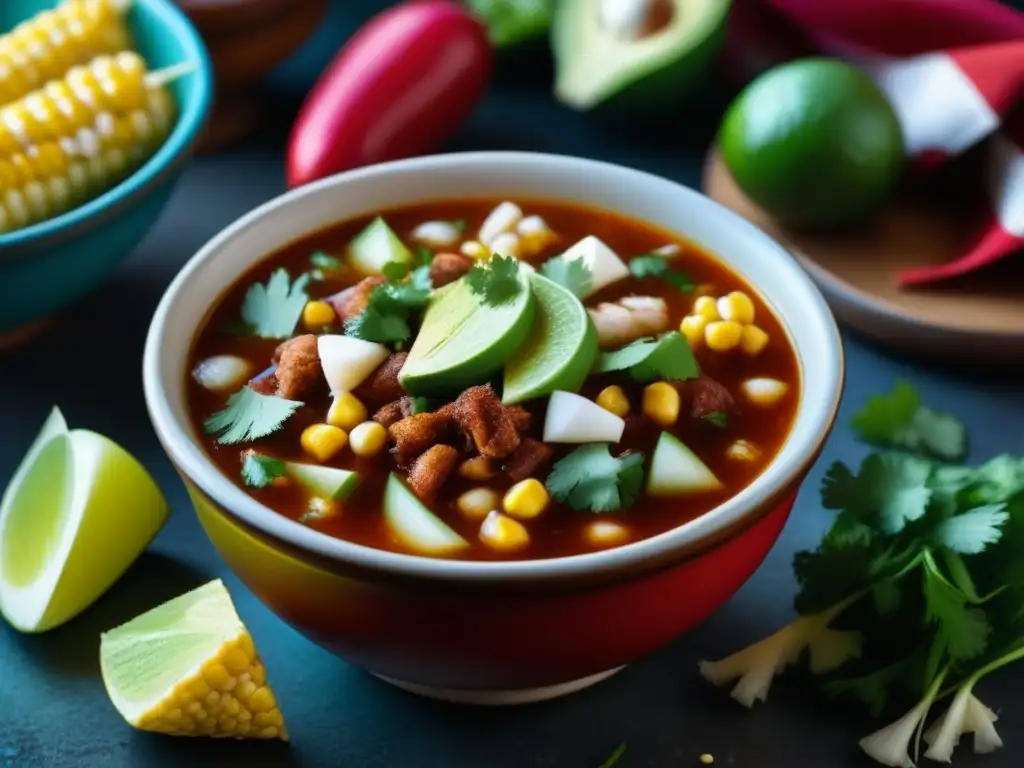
(44, 47)
(52, 177)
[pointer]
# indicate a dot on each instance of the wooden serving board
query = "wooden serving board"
(978, 319)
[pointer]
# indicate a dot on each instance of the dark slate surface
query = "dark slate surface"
(53, 709)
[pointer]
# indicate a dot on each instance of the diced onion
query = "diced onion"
(222, 373)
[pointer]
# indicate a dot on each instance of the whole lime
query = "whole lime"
(814, 142)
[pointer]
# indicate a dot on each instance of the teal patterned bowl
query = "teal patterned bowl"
(48, 265)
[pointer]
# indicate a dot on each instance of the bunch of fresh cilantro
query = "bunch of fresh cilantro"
(914, 593)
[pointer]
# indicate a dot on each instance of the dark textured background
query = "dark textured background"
(53, 709)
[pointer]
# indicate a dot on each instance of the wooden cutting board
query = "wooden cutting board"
(978, 319)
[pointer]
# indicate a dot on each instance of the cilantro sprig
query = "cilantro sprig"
(495, 281)
(922, 571)
(249, 416)
(572, 274)
(667, 357)
(391, 305)
(271, 311)
(323, 263)
(260, 470)
(591, 478)
(657, 265)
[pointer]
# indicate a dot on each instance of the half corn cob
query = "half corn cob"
(99, 142)
(46, 46)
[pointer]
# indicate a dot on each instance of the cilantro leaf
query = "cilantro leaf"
(497, 281)
(899, 420)
(395, 270)
(964, 629)
(381, 327)
(971, 532)
(248, 416)
(271, 311)
(423, 256)
(386, 317)
(719, 418)
(656, 265)
(998, 480)
(571, 274)
(259, 470)
(591, 478)
(668, 357)
(889, 492)
(871, 689)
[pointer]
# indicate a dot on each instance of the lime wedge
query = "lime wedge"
(189, 667)
(560, 349)
(464, 341)
(76, 514)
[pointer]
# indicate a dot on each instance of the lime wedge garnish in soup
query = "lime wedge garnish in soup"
(77, 512)
(189, 667)
(560, 350)
(465, 337)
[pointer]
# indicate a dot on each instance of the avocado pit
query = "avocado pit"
(633, 20)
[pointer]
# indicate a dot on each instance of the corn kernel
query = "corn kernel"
(723, 335)
(606, 533)
(736, 306)
(323, 441)
(743, 450)
(692, 327)
(346, 411)
(317, 314)
(368, 439)
(262, 700)
(754, 340)
(661, 403)
(526, 499)
(614, 400)
(503, 534)
(235, 661)
(706, 307)
(477, 468)
(477, 503)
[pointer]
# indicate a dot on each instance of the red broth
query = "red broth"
(560, 530)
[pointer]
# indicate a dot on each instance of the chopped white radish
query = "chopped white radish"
(628, 319)
(416, 526)
(376, 246)
(676, 470)
(535, 235)
(604, 264)
(325, 482)
(764, 392)
(223, 373)
(474, 250)
(347, 361)
(605, 533)
(502, 219)
(506, 244)
(437, 234)
(572, 418)
(742, 450)
(672, 249)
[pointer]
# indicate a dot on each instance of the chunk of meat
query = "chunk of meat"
(527, 459)
(382, 385)
(353, 300)
(388, 414)
(520, 417)
(448, 267)
(265, 383)
(486, 421)
(628, 319)
(431, 470)
(299, 374)
(415, 434)
(705, 396)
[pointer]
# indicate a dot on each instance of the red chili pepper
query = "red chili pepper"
(400, 87)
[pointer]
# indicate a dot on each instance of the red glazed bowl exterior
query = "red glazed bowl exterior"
(494, 632)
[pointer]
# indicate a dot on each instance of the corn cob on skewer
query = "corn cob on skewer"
(53, 177)
(44, 47)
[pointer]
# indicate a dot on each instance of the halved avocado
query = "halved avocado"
(637, 50)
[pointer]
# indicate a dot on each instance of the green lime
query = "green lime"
(189, 667)
(464, 340)
(814, 142)
(76, 514)
(560, 350)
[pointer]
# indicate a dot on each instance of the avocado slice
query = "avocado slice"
(653, 50)
(415, 525)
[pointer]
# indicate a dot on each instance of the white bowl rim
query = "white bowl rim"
(815, 418)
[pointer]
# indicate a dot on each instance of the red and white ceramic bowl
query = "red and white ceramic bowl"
(494, 632)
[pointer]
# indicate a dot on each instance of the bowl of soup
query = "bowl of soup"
(492, 425)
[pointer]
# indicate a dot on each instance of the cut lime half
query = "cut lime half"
(189, 667)
(77, 512)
